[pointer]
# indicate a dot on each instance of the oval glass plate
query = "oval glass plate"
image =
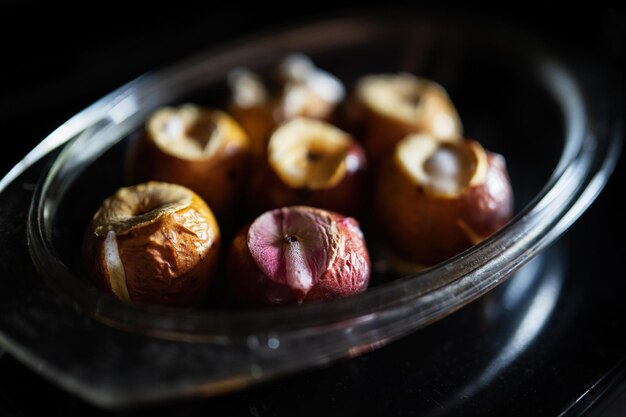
(502, 84)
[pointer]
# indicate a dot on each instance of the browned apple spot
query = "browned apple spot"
(313, 156)
(201, 132)
(321, 165)
(413, 97)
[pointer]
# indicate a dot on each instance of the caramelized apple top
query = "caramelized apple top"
(410, 100)
(308, 153)
(193, 133)
(443, 169)
(141, 205)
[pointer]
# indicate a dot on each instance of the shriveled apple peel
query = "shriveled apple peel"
(294, 247)
(298, 254)
(155, 243)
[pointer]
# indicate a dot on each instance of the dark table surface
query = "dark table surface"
(557, 350)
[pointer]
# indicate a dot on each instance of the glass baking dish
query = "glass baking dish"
(513, 96)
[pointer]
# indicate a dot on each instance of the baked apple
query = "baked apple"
(153, 243)
(203, 149)
(309, 162)
(297, 254)
(434, 199)
(295, 88)
(390, 106)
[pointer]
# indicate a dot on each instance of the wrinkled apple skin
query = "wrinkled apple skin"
(427, 229)
(170, 262)
(267, 191)
(348, 275)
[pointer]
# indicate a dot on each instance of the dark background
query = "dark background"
(56, 60)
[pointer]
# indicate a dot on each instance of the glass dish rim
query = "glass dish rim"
(583, 169)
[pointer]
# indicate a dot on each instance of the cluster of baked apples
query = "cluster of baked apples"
(305, 160)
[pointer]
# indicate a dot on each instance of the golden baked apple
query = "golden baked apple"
(153, 243)
(309, 162)
(434, 199)
(203, 149)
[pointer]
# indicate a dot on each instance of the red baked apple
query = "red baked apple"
(297, 254)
